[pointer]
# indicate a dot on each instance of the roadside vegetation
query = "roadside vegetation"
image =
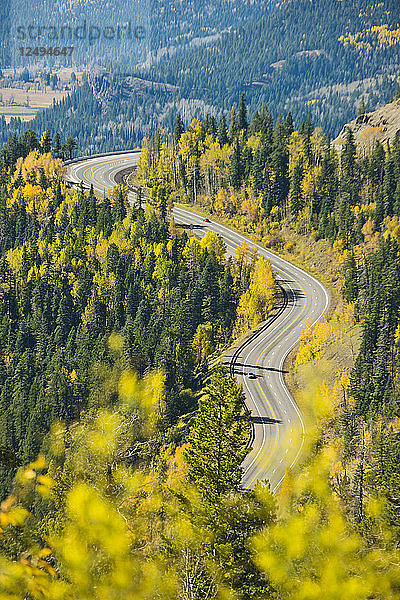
(336, 211)
(132, 444)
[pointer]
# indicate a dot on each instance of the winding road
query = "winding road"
(279, 427)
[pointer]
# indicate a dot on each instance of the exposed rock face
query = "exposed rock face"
(107, 89)
(380, 125)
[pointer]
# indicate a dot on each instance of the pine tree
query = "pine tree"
(119, 208)
(289, 124)
(234, 125)
(280, 165)
(295, 196)
(179, 129)
(351, 278)
(57, 145)
(361, 107)
(217, 444)
(91, 208)
(242, 123)
(223, 137)
(349, 184)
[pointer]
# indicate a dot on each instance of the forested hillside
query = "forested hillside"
(309, 57)
(75, 269)
(110, 317)
(314, 58)
(265, 178)
(165, 28)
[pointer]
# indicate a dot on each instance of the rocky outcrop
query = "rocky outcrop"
(380, 125)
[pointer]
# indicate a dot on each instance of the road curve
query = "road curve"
(279, 427)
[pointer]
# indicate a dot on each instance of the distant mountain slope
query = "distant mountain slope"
(295, 57)
(106, 31)
(315, 58)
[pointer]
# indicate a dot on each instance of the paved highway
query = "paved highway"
(279, 427)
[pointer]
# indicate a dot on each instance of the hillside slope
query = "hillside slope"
(314, 59)
(310, 57)
(380, 125)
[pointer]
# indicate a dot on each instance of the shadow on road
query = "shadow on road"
(264, 420)
(189, 226)
(294, 295)
(258, 367)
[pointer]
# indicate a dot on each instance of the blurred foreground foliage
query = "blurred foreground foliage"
(93, 522)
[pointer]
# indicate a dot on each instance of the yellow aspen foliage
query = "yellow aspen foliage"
(254, 141)
(296, 149)
(215, 165)
(378, 36)
(190, 138)
(119, 238)
(192, 248)
(172, 227)
(308, 183)
(392, 227)
(313, 339)
(144, 175)
(257, 302)
(370, 235)
(242, 253)
(214, 243)
(14, 258)
(312, 552)
(31, 166)
(165, 168)
(318, 143)
(252, 206)
(202, 341)
(221, 201)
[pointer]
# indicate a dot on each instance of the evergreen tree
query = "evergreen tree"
(179, 129)
(119, 208)
(361, 107)
(223, 137)
(242, 123)
(57, 145)
(351, 278)
(296, 200)
(236, 165)
(218, 442)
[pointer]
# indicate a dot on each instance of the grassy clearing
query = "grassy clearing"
(22, 112)
(25, 103)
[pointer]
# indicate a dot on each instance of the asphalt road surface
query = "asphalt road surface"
(279, 427)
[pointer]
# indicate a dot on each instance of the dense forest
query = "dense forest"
(111, 317)
(166, 28)
(261, 176)
(74, 270)
(319, 63)
(200, 58)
